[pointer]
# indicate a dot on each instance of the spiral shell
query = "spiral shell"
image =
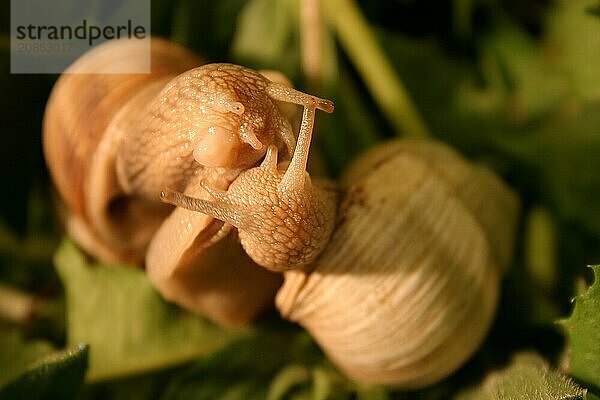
(86, 120)
(81, 108)
(408, 286)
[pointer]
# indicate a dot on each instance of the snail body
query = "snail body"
(113, 142)
(395, 272)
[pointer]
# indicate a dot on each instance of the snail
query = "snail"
(407, 287)
(110, 139)
(394, 271)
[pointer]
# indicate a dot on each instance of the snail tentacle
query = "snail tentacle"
(285, 93)
(221, 209)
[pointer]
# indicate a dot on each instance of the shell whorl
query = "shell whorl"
(81, 108)
(407, 288)
(83, 105)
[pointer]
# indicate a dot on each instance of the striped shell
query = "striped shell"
(408, 286)
(85, 121)
(81, 108)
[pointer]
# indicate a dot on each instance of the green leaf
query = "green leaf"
(58, 375)
(583, 329)
(17, 354)
(372, 392)
(139, 387)
(594, 10)
(276, 363)
(289, 377)
(267, 36)
(129, 327)
(388, 91)
(432, 79)
(537, 86)
(240, 371)
(573, 35)
(350, 130)
(565, 154)
(526, 378)
(204, 26)
(540, 248)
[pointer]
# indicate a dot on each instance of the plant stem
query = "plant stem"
(311, 37)
(358, 40)
(540, 248)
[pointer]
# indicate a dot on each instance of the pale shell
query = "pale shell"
(85, 121)
(81, 109)
(408, 286)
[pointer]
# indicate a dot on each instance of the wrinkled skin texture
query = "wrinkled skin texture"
(279, 228)
(114, 141)
(215, 116)
(284, 221)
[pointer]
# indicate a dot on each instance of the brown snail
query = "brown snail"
(110, 139)
(406, 301)
(398, 283)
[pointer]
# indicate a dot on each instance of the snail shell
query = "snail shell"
(408, 285)
(110, 178)
(79, 113)
(402, 294)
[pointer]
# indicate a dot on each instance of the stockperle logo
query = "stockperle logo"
(49, 35)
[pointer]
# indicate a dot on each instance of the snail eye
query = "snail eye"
(237, 108)
(226, 105)
(217, 147)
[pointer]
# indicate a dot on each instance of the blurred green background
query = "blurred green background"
(511, 84)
